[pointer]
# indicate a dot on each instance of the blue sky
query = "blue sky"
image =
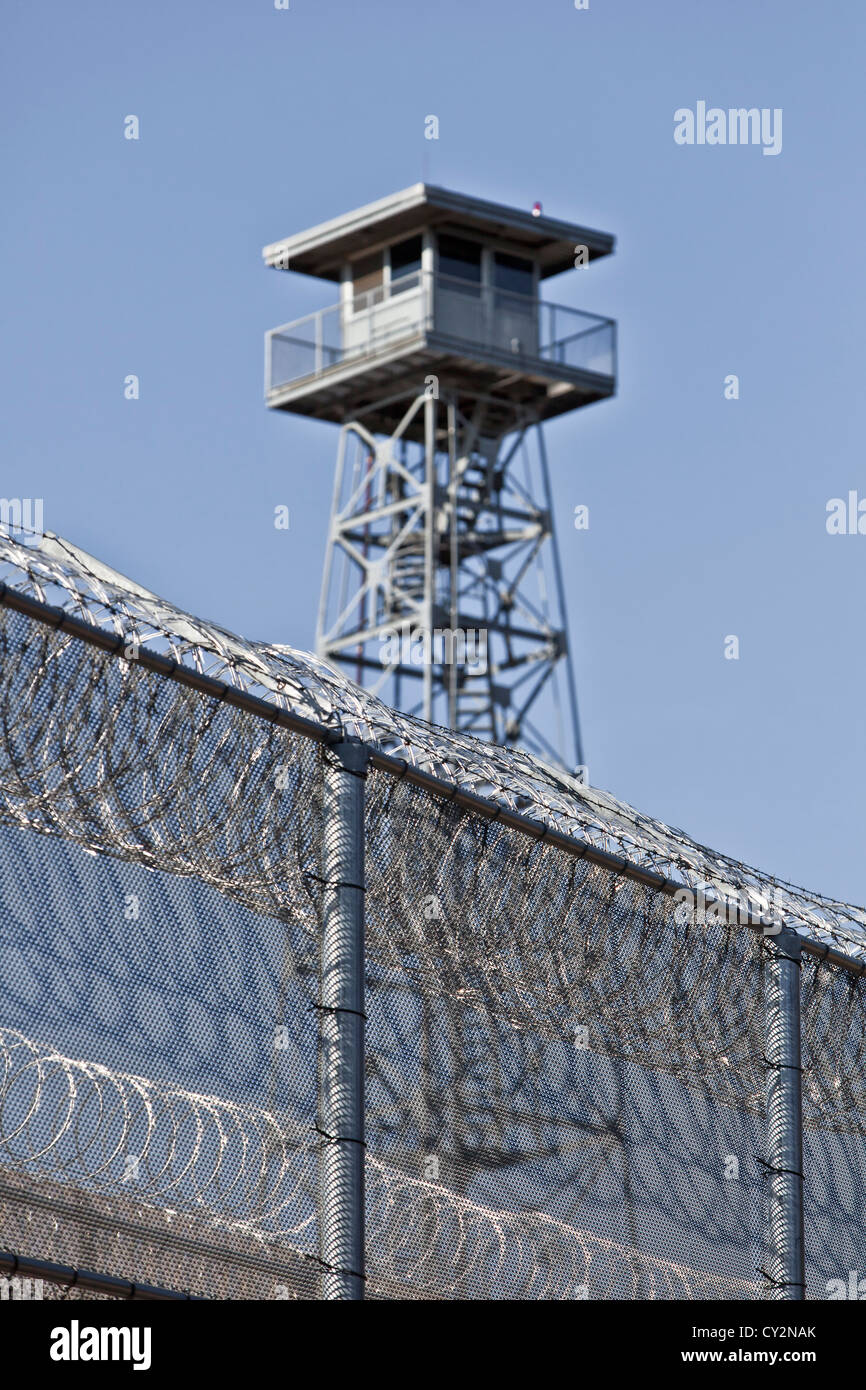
(707, 515)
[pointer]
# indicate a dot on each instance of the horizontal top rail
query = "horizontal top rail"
(384, 294)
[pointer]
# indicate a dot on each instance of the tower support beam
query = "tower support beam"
(442, 573)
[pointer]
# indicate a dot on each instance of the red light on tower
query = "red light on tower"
(536, 209)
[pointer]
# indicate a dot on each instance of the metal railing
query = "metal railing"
(474, 315)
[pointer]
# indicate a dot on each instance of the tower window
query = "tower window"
(405, 258)
(366, 276)
(512, 273)
(460, 258)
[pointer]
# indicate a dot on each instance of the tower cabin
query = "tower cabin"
(438, 291)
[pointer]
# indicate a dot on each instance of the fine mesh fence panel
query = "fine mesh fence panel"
(158, 1034)
(834, 1140)
(565, 1072)
(564, 1083)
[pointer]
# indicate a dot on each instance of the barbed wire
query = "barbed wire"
(98, 752)
(53, 571)
(70, 1121)
(445, 1246)
(62, 1117)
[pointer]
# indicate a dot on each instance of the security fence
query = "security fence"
(304, 998)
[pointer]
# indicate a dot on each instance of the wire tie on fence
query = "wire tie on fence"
(335, 1009)
(783, 955)
(452, 796)
(349, 771)
(336, 1269)
(780, 1283)
(782, 1066)
(443, 802)
(338, 1138)
(337, 763)
(535, 842)
(335, 882)
(792, 1172)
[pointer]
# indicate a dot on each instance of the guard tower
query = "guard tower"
(440, 362)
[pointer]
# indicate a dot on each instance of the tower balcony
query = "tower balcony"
(352, 359)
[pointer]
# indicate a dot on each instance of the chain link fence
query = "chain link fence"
(570, 1089)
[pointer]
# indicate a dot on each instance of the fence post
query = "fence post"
(341, 1030)
(784, 1118)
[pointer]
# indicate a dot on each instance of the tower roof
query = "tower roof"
(322, 250)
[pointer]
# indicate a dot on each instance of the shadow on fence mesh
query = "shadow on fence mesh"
(565, 1078)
